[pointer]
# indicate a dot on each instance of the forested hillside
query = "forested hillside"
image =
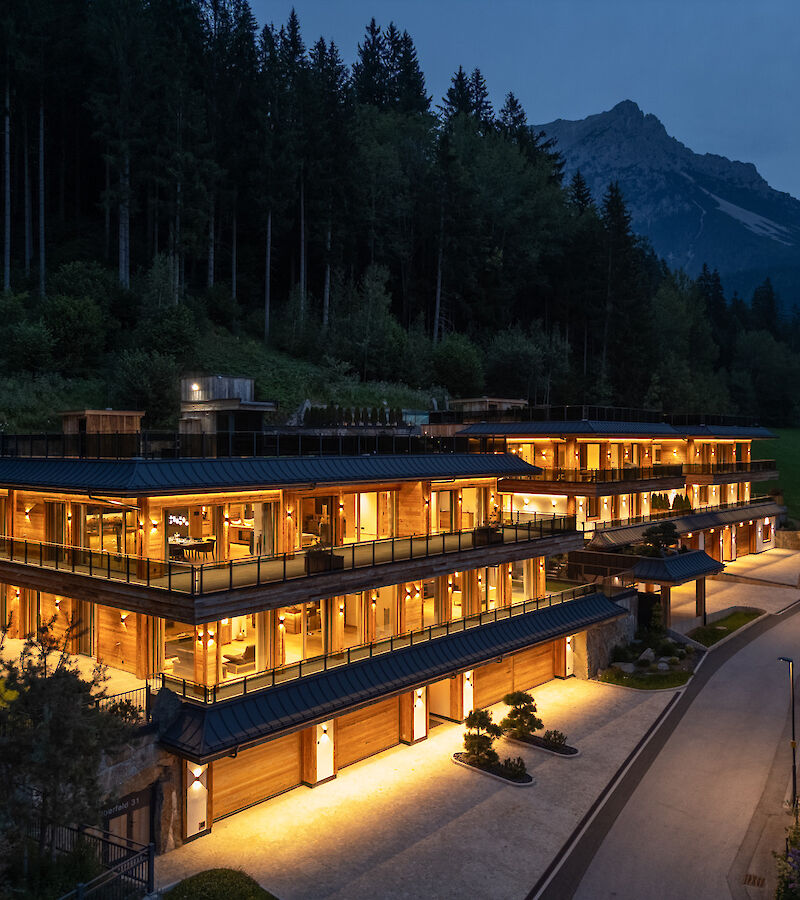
(184, 190)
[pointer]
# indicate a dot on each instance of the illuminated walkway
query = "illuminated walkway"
(408, 823)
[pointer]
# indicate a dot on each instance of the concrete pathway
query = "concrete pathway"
(680, 832)
(409, 823)
(778, 565)
(724, 595)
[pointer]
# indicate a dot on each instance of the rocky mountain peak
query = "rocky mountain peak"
(694, 208)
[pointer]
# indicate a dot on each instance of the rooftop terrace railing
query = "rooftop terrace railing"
(675, 513)
(734, 467)
(589, 413)
(606, 476)
(247, 684)
(201, 579)
(173, 445)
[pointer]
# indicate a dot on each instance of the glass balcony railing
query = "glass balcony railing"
(201, 579)
(607, 476)
(247, 684)
(731, 468)
(754, 502)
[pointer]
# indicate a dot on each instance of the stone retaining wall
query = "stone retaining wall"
(787, 540)
(140, 765)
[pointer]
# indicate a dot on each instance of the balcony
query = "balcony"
(248, 684)
(205, 591)
(730, 472)
(597, 482)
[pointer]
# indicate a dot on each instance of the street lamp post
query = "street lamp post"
(786, 659)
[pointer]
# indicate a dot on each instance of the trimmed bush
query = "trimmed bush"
(219, 884)
(514, 768)
(555, 737)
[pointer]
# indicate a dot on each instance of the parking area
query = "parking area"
(409, 823)
(782, 566)
(775, 571)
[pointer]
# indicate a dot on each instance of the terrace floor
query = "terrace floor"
(118, 681)
(409, 823)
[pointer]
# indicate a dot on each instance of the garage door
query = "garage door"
(492, 683)
(256, 774)
(534, 666)
(364, 732)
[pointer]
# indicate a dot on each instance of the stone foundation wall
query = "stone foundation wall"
(787, 540)
(140, 765)
(592, 648)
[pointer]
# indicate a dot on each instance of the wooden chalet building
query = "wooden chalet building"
(297, 614)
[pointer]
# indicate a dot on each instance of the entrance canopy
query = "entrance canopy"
(677, 568)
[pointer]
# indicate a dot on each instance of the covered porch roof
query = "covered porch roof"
(202, 733)
(676, 568)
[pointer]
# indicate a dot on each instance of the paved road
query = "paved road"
(679, 833)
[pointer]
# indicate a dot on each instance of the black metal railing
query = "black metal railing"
(138, 699)
(606, 476)
(174, 445)
(129, 867)
(247, 684)
(734, 467)
(674, 513)
(202, 579)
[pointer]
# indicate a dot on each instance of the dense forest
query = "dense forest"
(185, 191)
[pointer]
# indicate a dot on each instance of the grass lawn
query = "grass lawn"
(716, 631)
(655, 681)
(786, 452)
(219, 884)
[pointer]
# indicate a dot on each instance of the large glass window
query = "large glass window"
(443, 515)
(317, 522)
(384, 600)
(179, 648)
(109, 529)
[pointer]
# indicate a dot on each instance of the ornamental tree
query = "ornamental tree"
(521, 721)
(481, 734)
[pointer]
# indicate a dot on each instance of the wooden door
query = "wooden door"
(534, 666)
(492, 683)
(256, 774)
(367, 731)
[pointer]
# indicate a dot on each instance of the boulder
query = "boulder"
(663, 667)
(649, 655)
(626, 667)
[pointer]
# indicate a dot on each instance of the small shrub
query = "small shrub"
(689, 650)
(642, 663)
(514, 768)
(673, 660)
(219, 884)
(653, 667)
(665, 648)
(558, 738)
(681, 654)
(620, 653)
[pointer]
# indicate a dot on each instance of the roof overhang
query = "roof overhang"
(201, 733)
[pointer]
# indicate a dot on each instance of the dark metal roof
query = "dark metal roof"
(621, 429)
(700, 521)
(144, 477)
(586, 427)
(202, 733)
(677, 568)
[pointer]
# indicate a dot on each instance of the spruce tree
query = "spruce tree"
(580, 197)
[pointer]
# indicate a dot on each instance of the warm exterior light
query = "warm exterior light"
(689, 534)
(766, 521)
(28, 512)
(195, 386)
(69, 517)
(288, 514)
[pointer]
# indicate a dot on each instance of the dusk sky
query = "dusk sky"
(722, 75)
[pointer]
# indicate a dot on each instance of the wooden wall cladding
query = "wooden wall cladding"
(493, 682)
(534, 666)
(117, 639)
(367, 731)
(256, 774)
(410, 509)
